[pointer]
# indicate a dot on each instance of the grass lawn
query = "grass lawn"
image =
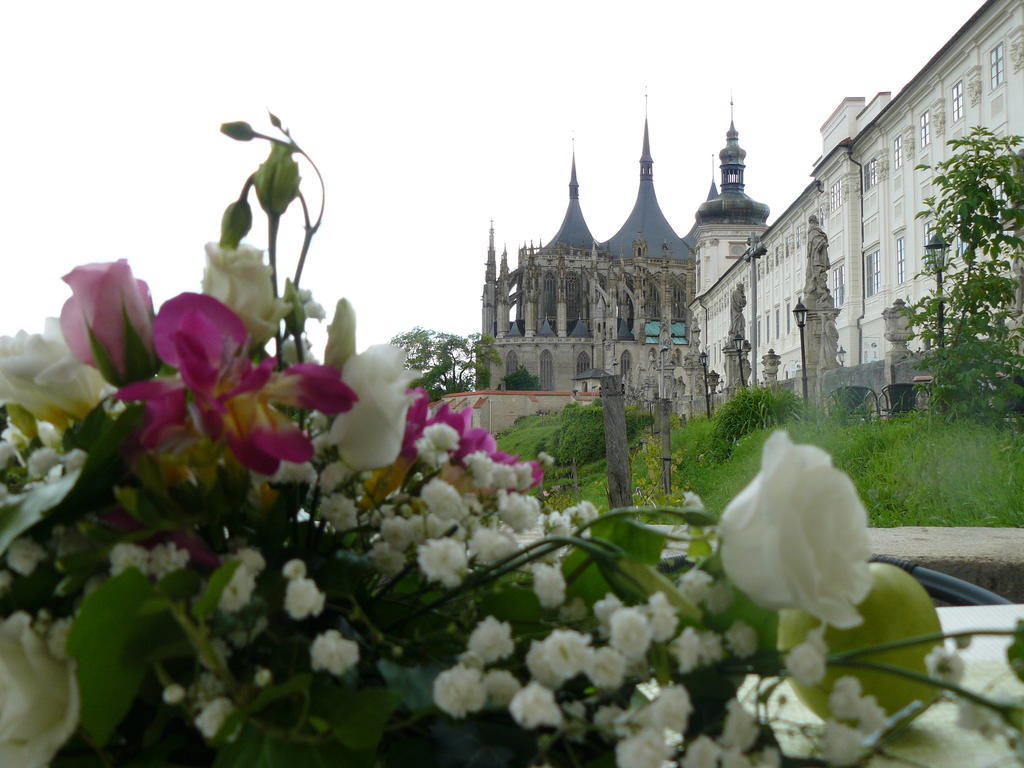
(914, 470)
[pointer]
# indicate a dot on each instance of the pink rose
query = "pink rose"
(108, 321)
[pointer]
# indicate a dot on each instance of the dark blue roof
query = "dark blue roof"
(574, 230)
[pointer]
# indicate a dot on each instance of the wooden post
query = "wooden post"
(666, 445)
(620, 491)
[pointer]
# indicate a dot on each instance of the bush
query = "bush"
(521, 380)
(754, 408)
(581, 434)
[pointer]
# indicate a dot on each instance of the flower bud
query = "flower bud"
(341, 335)
(277, 180)
(235, 224)
(239, 131)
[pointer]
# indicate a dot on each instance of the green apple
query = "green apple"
(897, 607)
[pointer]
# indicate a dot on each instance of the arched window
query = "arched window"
(511, 363)
(572, 299)
(625, 363)
(678, 301)
(582, 363)
(548, 298)
(547, 371)
(652, 303)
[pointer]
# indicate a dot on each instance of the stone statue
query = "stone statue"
(829, 343)
(695, 335)
(739, 301)
(1018, 272)
(816, 293)
(897, 327)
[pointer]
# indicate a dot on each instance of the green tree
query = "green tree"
(521, 380)
(448, 362)
(973, 341)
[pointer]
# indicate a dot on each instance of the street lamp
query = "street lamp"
(800, 313)
(841, 354)
(703, 357)
(936, 248)
(737, 344)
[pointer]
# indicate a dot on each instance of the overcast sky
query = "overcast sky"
(427, 120)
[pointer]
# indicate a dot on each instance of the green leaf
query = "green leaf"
(482, 745)
(22, 419)
(1015, 653)
(239, 131)
(275, 120)
(109, 678)
(299, 684)
(181, 584)
(102, 359)
(415, 685)
(588, 582)
(635, 582)
(295, 320)
(235, 224)
(140, 362)
(211, 597)
(255, 748)
(642, 542)
(357, 718)
(511, 603)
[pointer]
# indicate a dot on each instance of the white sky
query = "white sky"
(427, 119)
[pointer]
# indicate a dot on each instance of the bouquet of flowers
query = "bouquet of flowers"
(219, 551)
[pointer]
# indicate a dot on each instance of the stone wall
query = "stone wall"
(496, 410)
(875, 375)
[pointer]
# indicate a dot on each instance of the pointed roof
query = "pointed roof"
(732, 205)
(574, 231)
(713, 192)
(579, 330)
(545, 329)
(646, 221)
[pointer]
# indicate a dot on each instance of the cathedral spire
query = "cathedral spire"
(574, 187)
(646, 161)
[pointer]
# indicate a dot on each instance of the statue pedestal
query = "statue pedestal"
(821, 341)
(733, 360)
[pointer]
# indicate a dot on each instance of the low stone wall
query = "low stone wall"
(496, 410)
(875, 374)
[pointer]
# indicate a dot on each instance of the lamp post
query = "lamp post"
(800, 313)
(841, 354)
(936, 248)
(737, 344)
(703, 357)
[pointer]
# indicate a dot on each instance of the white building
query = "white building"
(866, 192)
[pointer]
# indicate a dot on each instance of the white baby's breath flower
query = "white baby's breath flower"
(702, 753)
(944, 665)
(870, 715)
(567, 652)
(689, 649)
(504, 476)
(539, 664)
(694, 584)
(57, 638)
(517, 511)
(842, 744)
(294, 569)
(491, 640)
(546, 460)
(23, 555)
(608, 718)
(603, 610)
(399, 532)
(501, 685)
(718, 597)
(340, 511)
(645, 749)
(263, 677)
(534, 707)
(5, 582)
(806, 661)
(386, 558)
(691, 499)
(302, 599)
(489, 546)
(435, 443)
(166, 558)
(173, 694)
(459, 691)
(524, 476)
(238, 591)
(334, 474)
(740, 730)
(671, 709)
(741, 639)
(443, 560)
(74, 459)
(582, 513)
(123, 556)
(295, 473)
(549, 585)
(333, 653)
(250, 558)
(206, 687)
(662, 616)
(573, 611)
(606, 668)
(631, 633)
(844, 698)
(481, 469)
(442, 499)
(212, 716)
(974, 717)
(42, 461)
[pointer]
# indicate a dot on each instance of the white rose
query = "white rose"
(796, 537)
(240, 279)
(38, 373)
(370, 435)
(38, 696)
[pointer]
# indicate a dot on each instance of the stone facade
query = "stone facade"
(496, 410)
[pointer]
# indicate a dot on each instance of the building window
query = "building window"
(874, 274)
(901, 260)
(572, 297)
(800, 235)
(958, 100)
(835, 197)
(511, 364)
(871, 174)
(996, 59)
(789, 318)
(547, 371)
(582, 363)
(548, 299)
(778, 325)
(839, 285)
(624, 366)
(926, 130)
(927, 233)
(897, 152)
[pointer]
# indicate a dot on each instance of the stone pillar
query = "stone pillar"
(732, 370)
(820, 343)
(693, 378)
(897, 333)
(531, 317)
(770, 366)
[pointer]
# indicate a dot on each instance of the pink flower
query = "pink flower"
(220, 393)
(108, 321)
